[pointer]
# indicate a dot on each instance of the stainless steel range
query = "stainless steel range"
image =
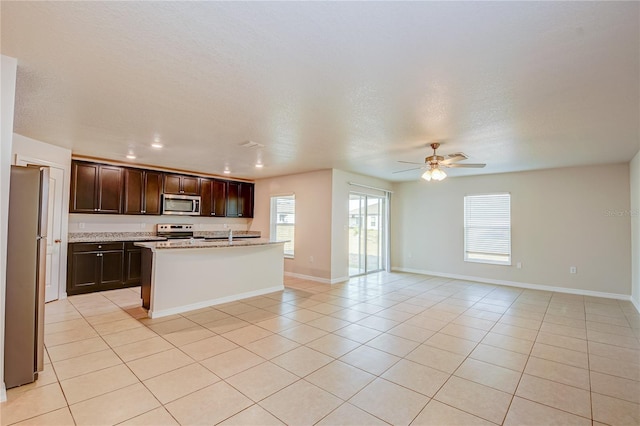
(174, 231)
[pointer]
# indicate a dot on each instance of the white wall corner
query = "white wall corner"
(7, 94)
(634, 184)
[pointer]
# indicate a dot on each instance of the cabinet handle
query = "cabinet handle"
(99, 254)
(239, 214)
(95, 210)
(99, 246)
(57, 241)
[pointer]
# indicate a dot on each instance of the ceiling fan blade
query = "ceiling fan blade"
(453, 158)
(408, 170)
(409, 162)
(466, 165)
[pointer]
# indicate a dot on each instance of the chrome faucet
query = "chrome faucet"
(230, 235)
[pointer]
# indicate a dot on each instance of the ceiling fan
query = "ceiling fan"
(434, 164)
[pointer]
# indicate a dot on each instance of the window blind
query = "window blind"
(487, 228)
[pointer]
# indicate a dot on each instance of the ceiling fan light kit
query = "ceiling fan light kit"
(435, 162)
(434, 173)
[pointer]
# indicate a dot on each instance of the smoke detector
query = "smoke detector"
(251, 144)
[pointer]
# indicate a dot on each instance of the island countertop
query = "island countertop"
(198, 243)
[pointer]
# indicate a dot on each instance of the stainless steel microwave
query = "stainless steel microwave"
(187, 205)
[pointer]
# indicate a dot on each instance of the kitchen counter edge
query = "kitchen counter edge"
(104, 237)
(191, 244)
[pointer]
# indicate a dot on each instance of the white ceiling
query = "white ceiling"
(349, 85)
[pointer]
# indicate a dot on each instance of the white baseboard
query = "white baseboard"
(316, 279)
(518, 284)
(207, 303)
(636, 304)
(3, 393)
(339, 280)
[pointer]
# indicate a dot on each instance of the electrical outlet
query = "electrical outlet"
(573, 270)
(81, 225)
(519, 265)
(310, 259)
(143, 225)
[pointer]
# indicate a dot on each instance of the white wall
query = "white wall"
(340, 216)
(7, 92)
(635, 229)
(560, 218)
(312, 244)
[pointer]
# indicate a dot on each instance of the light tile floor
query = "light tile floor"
(386, 348)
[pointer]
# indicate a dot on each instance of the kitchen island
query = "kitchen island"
(184, 275)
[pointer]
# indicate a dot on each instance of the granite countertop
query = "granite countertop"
(195, 243)
(95, 237)
(225, 234)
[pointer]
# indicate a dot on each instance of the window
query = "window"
(283, 221)
(487, 228)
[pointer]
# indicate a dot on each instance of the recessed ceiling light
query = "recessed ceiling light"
(259, 165)
(156, 145)
(131, 156)
(227, 171)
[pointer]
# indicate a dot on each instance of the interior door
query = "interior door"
(54, 231)
(54, 227)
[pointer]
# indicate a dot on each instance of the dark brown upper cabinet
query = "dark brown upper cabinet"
(95, 188)
(213, 195)
(142, 191)
(181, 184)
(240, 199)
(103, 188)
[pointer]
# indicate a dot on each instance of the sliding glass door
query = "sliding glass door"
(367, 233)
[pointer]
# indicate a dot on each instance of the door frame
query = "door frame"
(24, 160)
(383, 232)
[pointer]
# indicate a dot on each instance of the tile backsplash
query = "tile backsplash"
(131, 223)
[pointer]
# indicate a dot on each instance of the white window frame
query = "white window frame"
(476, 209)
(289, 250)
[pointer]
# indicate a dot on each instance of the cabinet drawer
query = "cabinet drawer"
(81, 247)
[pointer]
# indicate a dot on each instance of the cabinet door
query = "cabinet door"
(83, 274)
(190, 185)
(111, 268)
(172, 184)
(84, 182)
(132, 264)
(233, 199)
(246, 200)
(219, 189)
(110, 189)
(133, 194)
(152, 192)
(206, 197)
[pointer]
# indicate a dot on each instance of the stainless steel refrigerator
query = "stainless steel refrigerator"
(26, 269)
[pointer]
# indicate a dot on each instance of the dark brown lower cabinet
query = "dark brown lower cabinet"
(132, 264)
(102, 266)
(145, 285)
